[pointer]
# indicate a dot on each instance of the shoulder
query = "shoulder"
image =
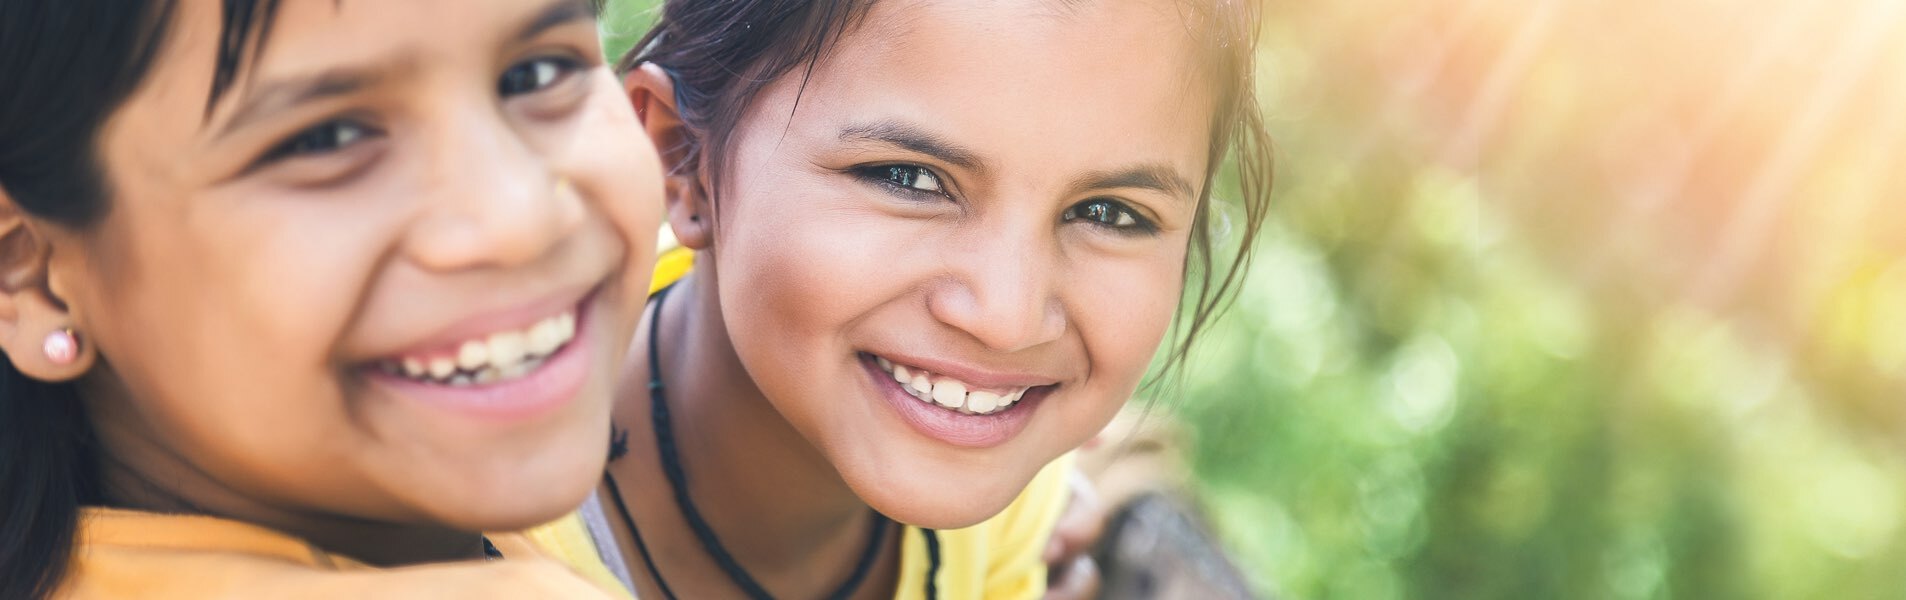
(671, 265)
(569, 541)
(129, 554)
(1031, 518)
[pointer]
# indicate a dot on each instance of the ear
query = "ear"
(652, 91)
(29, 311)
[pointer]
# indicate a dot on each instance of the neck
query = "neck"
(774, 501)
(138, 472)
(748, 467)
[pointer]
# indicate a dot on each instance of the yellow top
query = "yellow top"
(670, 266)
(998, 559)
(578, 550)
(135, 554)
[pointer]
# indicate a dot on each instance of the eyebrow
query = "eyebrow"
(915, 139)
(561, 12)
(1150, 177)
(276, 96)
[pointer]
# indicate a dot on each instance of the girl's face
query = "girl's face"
(989, 200)
(390, 275)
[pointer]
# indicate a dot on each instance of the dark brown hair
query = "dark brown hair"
(69, 64)
(721, 55)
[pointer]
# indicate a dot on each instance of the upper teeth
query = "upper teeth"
(499, 356)
(949, 392)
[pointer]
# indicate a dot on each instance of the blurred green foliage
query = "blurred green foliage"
(1533, 320)
(1564, 300)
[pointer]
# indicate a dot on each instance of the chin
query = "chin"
(522, 499)
(522, 512)
(939, 502)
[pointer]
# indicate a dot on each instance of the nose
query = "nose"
(490, 199)
(1002, 291)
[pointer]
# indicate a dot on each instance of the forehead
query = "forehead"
(1066, 83)
(305, 37)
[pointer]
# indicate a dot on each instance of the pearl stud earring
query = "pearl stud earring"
(61, 347)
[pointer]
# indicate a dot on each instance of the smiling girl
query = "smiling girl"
(936, 246)
(291, 290)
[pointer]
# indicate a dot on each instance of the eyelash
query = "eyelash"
(327, 137)
(549, 69)
(336, 134)
(1111, 214)
(915, 179)
(904, 178)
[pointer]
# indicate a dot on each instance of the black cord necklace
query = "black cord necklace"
(677, 479)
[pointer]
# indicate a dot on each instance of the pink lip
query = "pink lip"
(970, 431)
(552, 385)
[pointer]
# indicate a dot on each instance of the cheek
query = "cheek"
(221, 315)
(799, 267)
(293, 274)
(786, 259)
(617, 165)
(236, 284)
(1122, 311)
(783, 276)
(613, 166)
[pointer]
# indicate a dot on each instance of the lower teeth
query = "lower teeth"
(486, 376)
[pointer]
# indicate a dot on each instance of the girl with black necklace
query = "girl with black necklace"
(934, 247)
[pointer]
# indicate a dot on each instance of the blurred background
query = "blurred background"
(1563, 299)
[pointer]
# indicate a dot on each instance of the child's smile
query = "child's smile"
(513, 370)
(975, 409)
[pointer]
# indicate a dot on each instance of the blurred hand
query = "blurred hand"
(1071, 574)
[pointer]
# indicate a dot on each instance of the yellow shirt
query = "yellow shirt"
(998, 559)
(135, 554)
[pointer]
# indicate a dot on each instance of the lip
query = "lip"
(953, 428)
(551, 386)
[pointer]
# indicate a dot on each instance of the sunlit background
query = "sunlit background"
(1566, 299)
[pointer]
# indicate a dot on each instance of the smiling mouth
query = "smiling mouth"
(498, 357)
(951, 394)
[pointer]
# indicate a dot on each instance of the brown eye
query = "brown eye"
(1108, 213)
(906, 178)
(325, 138)
(535, 74)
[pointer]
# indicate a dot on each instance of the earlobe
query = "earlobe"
(36, 329)
(652, 91)
(685, 219)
